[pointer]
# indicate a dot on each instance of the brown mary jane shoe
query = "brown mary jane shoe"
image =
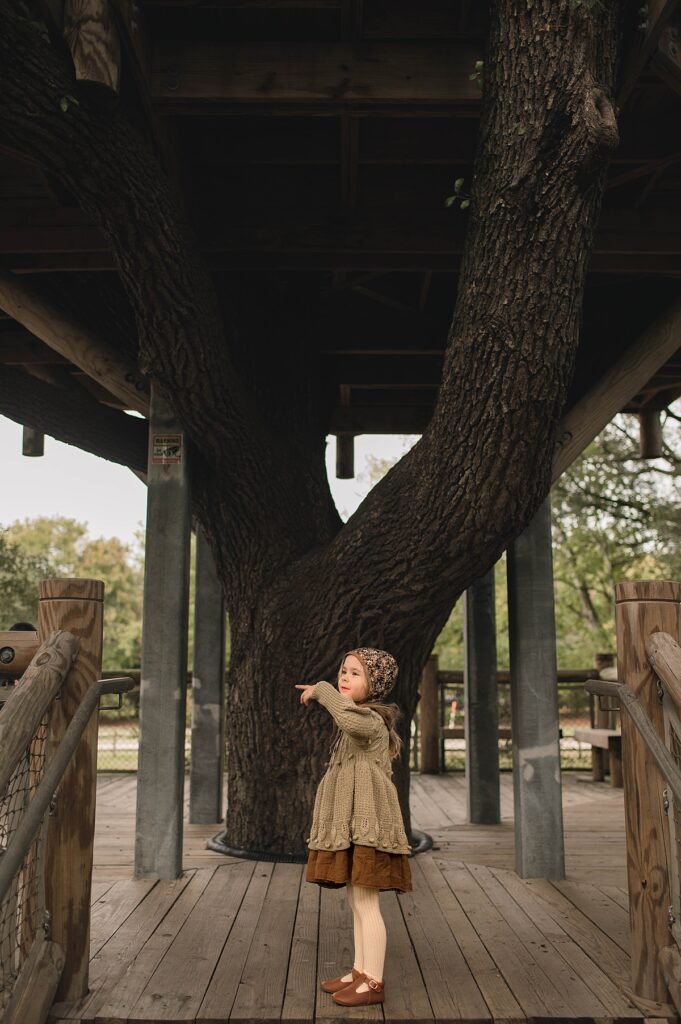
(349, 996)
(336, 984)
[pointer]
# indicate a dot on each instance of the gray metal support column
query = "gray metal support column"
(481, 713)
(208, 691)
(538, 811)
(163, 689)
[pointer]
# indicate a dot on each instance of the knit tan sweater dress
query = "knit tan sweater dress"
(357, 833)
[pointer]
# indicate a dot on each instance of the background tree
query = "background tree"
(58, 546)
(300, 586)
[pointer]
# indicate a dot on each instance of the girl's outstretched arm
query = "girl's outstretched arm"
(358, 722)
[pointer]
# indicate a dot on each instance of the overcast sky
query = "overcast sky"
(110, 499)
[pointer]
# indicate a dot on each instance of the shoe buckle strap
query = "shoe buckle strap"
(373, 984)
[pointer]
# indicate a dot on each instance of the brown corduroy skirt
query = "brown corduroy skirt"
(359, 865)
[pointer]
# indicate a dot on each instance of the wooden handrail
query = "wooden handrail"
(31, 696)
(632, 705)
(664, 655)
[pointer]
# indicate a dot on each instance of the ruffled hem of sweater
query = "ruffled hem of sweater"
(364, 831)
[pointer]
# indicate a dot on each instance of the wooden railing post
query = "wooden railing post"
(76, 605)
(429, 715)
(601, 719)
(642, 608)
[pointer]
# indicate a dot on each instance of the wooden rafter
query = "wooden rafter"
(619, 384)
(39, 315)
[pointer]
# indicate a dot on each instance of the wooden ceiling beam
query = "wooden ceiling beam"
(429, 236)
(249, 261)
(325, 77)
(617, 387)
(76, 342)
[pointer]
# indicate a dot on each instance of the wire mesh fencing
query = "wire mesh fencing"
(22, 909)
(119, 734)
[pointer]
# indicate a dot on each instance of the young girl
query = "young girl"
(357, 838)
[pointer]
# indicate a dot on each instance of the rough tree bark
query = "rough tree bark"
(300, 586)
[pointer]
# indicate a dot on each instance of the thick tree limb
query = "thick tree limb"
(475, 479)
(80, 421)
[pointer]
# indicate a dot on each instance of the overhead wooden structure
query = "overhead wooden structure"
(315, 144)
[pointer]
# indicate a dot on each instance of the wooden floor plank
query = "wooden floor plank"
(335, 956)
(449, 982)
(596, 944)
(446, 797)
(496, 992)
(409, 999)
(115, 957)
(615, 1003)
(610, 917)
(98, 889)
(430, 808)
(111, 909)
(116, 1002)
(222, 989)
(532, 988)
(302, 982)
(262, 986)
(176, 989)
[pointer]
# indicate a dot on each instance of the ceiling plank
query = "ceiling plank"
(324, 76)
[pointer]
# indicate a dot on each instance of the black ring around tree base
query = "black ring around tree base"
(219, 844)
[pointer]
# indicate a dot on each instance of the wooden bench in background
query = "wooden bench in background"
(606, 746)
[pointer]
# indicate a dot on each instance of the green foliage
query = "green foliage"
(616, 516)
(20, 574)
(66, 101)
(477, 73)
(57, 546)
(459, 195)
(40, 548)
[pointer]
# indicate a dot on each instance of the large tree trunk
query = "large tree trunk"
(301, 587)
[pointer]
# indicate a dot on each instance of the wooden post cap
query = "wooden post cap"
(648, 590)
(71, 590)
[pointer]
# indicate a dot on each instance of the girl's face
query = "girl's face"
(352, 680)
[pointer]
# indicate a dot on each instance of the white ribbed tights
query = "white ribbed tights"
(370, 934)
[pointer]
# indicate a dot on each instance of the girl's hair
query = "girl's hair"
(391, 715)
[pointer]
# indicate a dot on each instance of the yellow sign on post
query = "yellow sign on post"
(166, 449)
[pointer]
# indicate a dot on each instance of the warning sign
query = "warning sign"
(166, 449)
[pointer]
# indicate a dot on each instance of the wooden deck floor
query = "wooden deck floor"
(246, 941)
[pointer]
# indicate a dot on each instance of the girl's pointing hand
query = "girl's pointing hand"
(305, 695)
